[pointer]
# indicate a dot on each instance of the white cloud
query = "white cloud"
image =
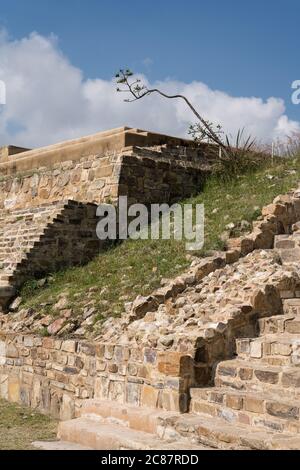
(147, 62)
(48, 100)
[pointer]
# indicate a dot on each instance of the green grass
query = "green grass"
(20, 426)
(137, 267)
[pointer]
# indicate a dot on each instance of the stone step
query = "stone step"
(58, 445)
(275, 349)
(39, 209)
(20, 236)
(289, 323)
(22, 226)
(263, 410)
(141, 419)
(240, 374)
(170, 425)
(24, 244)
(14, 223)
(97, 434)
(291, 306)
(215, 432)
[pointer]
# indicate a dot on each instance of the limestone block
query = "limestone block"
(102, 387)
(67, 409)
(256, 349)
(174, 364)
(245, 373)
(281, 410)
(2, 352)
(234, 401)
(133, 393)
(11, 351)
(266, 376)
(69, 346)
(13, 389)
(149, 396)
(4, 386)
(254, 405)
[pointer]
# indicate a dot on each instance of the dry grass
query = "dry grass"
(20, 426)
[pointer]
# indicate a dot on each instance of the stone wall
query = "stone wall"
(91, 179)
(54, 376)
(164, 175)
(101, 167)
(98, 178)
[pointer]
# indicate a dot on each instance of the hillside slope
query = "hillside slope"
(81, 298)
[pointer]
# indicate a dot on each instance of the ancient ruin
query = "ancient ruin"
(209, 360)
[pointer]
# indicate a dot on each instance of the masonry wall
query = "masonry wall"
(100, 167)
(91, 179)
(156, 177)
(54, 376)
(152, 177)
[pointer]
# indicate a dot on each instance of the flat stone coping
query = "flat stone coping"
(72, 150)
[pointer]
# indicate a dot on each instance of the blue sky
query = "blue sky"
(244, 49)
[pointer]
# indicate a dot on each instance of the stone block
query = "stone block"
(291, 379)
(281, 410)
(4, 386)
(150, 356)
(28, 341)
(13, 389)
(232, 256)
(256, 349)
(2, 349)
(112, 368)
(243, 346)
(281, 349)
(227, 371)
(243, 418)
(254, 405)
(234, 401)
(267, 376)
(48, 343)
(245, 373)
(149, 396)
(109, 352)
(174, 364)
(12, 351)
(132, 369)
(69, 346)
(292, 326)
(133, 393)
(206, 408)
(216, 397)
(103, 171)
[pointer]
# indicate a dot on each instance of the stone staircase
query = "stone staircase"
(253, 402)
(259, 389)
(261, 386)
(42, 239)
(107, 425)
